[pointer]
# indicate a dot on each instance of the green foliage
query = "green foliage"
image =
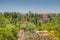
(27, 27)
(9, 33)
(11, 23)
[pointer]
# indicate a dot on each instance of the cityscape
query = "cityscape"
(29, 19)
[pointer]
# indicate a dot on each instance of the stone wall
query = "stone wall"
(41, 35)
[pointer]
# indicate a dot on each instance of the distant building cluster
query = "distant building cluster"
(32, 17)
(44, 18)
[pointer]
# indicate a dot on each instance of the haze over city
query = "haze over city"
(23, 6)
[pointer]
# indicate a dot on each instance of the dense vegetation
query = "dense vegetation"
(12, 22)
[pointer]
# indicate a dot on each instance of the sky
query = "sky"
(24, 6)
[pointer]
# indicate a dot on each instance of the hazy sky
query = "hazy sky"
(40, 6)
